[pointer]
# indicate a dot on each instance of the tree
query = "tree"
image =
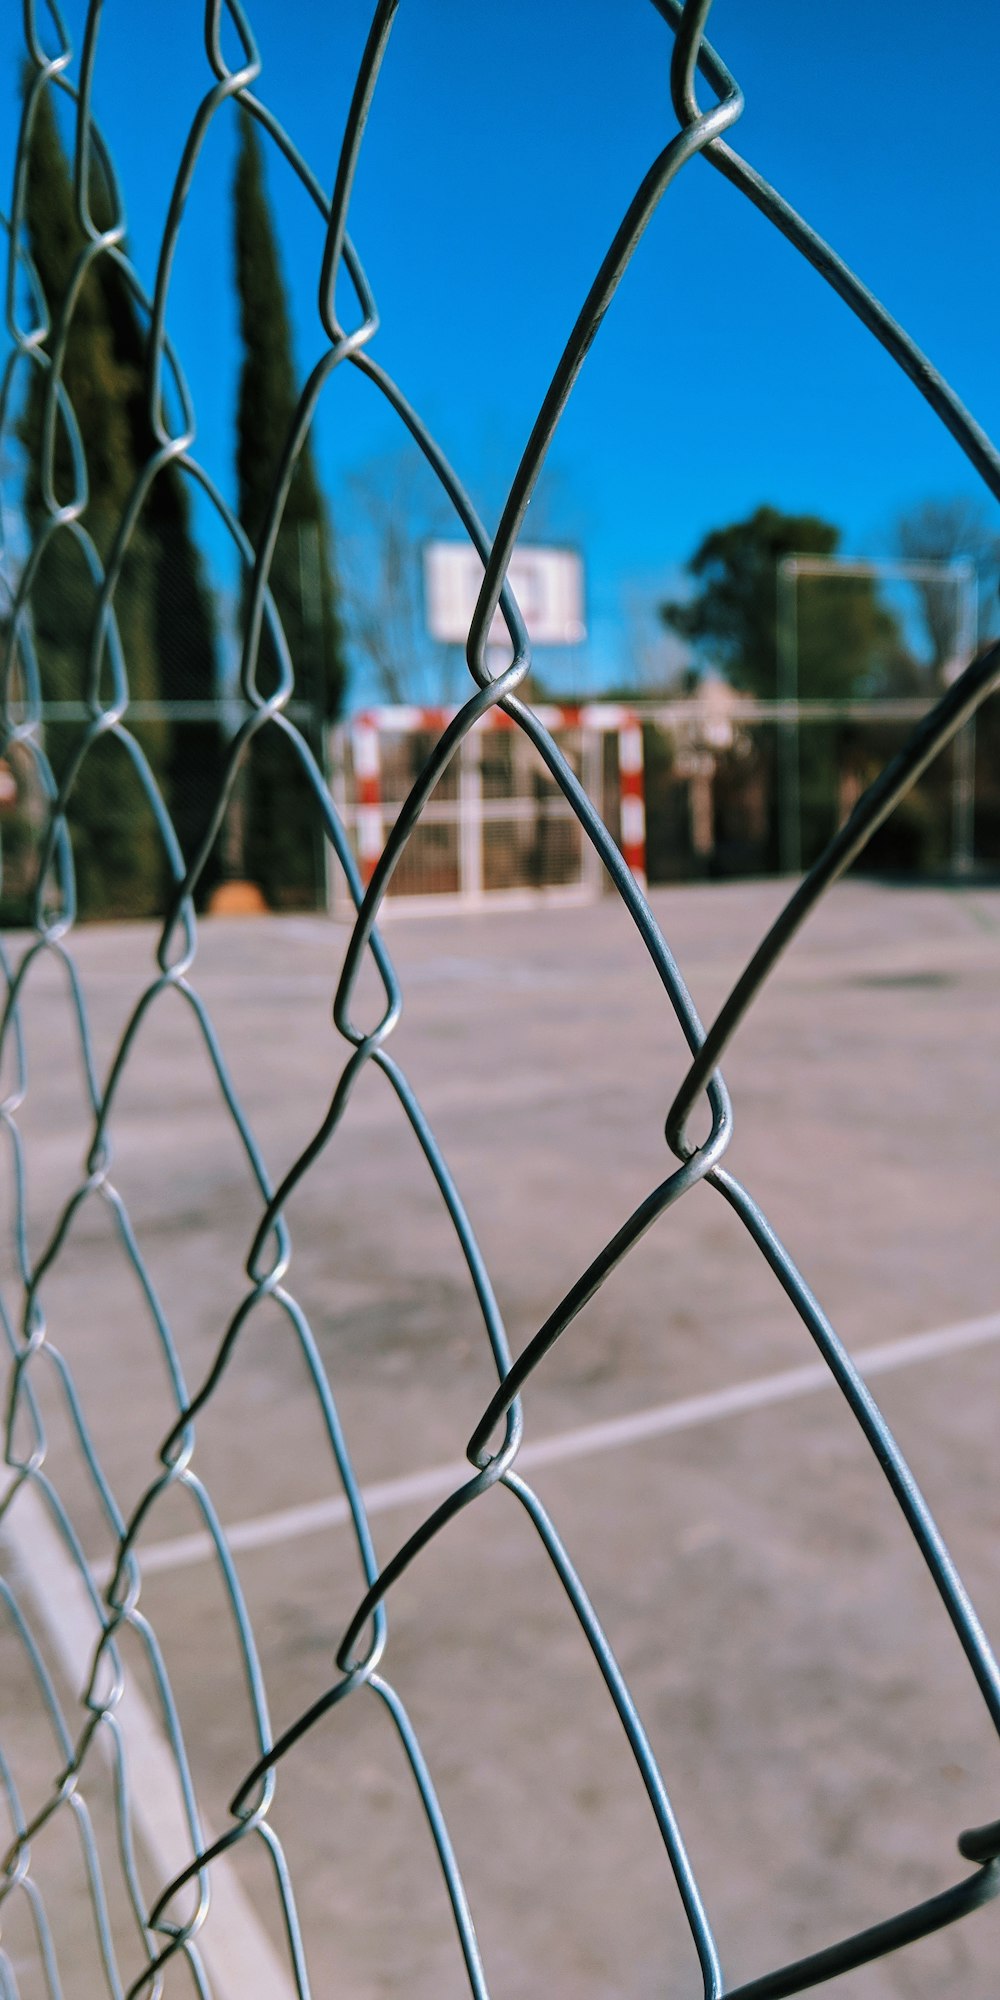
(162, 603)
(847, 641)
(396, 507)
(951, 530)
(181, 606)
(280, 826)
(115, 873)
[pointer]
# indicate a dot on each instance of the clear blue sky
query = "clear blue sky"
(504, 144)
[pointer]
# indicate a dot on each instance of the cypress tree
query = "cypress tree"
(162, 603)
(180, 606)
(280, 825)
(115, 853)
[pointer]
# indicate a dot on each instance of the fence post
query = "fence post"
(633, 798)
(789, 810)
(963, 796)
(368, 794)
(470, 807)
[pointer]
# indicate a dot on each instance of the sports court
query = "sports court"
(820, 1735)
(446, 1552)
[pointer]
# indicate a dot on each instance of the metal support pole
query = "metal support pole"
(963, 800)
(592, 779)
(314, 692)
(963, 781)
(787, 665)
(470, 819)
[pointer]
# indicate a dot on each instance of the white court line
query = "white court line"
(687, 1414)
(240, 1958)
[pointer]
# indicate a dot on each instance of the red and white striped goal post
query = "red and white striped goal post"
(366, 729)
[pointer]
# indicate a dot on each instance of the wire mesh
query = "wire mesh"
(90, 1739)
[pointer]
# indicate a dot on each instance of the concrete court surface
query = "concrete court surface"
(817, 1726)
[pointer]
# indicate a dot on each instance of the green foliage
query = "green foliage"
(98, 385)
(179, 598)
(848, 642)
(162, 604)
(281, 836)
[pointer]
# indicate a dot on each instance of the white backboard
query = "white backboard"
(547, 583)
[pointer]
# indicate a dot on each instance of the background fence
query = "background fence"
(717, 803)
(727, 808)
(168, 1904)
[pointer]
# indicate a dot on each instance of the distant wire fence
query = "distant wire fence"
(719, 801)
(710, 798)
(88, 1723)
(716, 785)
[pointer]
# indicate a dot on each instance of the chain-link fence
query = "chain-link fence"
(99, 1736)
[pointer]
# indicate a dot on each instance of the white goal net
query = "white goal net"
(497, 827)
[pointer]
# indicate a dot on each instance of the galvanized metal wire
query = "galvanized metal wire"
(707, 105)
